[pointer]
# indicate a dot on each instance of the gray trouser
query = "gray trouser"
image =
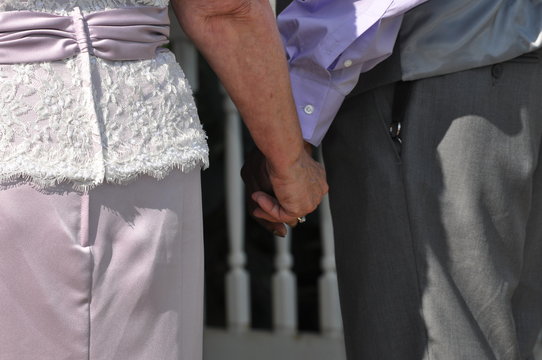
(439, 233)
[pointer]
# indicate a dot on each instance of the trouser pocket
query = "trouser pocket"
(391, 102)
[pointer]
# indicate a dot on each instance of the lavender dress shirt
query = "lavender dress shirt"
(329, 43)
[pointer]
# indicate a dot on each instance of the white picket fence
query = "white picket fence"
(238, 341)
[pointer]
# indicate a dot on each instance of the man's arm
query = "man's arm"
(240, 40)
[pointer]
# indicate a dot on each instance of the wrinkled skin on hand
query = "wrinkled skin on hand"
(279, 198)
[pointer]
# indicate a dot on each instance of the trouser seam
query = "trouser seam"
(416, 262)
(402, 172)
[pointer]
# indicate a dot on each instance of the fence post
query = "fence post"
(237, 280)
(284, 288)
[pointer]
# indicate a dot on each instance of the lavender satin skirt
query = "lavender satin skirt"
(113, 274)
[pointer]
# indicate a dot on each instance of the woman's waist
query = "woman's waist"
(132, 33)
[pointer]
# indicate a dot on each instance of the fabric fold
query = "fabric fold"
(119, 34)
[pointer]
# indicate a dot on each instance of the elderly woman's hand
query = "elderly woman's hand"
(279, 196)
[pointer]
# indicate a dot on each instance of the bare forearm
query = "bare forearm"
(240, 40)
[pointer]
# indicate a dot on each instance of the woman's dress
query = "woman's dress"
(100, 209)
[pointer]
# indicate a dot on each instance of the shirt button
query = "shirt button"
(347, 63)
(309, 109)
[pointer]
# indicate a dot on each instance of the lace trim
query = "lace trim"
(145, 113)
(45, 182)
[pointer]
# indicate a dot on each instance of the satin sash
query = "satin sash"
(118, 34)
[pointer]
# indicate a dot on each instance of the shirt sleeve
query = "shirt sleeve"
(329, 43)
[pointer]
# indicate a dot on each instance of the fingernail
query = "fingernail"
(277, 233)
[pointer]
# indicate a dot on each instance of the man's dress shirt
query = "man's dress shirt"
(329, 43)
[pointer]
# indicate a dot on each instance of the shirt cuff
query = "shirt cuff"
(317, 103)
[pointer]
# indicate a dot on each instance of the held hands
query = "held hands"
(281, 196)
(241, 41)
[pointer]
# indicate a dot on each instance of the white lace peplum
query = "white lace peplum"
(86, 120)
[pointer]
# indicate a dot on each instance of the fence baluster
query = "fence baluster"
(284, 288)
(237, 280)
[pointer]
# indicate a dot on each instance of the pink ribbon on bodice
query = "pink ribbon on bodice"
(119, 34)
